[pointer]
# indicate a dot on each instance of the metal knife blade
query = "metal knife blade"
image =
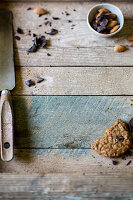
(7, 75)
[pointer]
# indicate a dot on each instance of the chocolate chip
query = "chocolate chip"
(104, 22)
(129, 163)
(115, 162)
(48, 54)
(17, 37)
(40, 79)
(101, 28)
(29, 83)
(69, 21)
(43, 41)
(32, 49)
(55, 18)
(29, 8)
(19, 30)
(34, 35)
(94, 25)
(47, 22)
(131, 125)
(52, 32)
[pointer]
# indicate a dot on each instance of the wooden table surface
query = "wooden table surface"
(86, 87)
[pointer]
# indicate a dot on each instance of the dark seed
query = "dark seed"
(74, 9)
(48, 54)
(32, 49)
(131, 125)
(47, 22)
(55, 18)
(17, 37)
(19, 30)
(34, 35)
(40, 79)
(69, 21)
(29, 8)
(29, 83)
(129, 163)
(39, 25)
(115, 162)
(45, 18)
(39, 15)
(53, 32)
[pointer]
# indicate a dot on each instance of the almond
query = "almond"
(40, 11)
(119, 48)
(104, 10)
(113, 16)
(130, 37)
(115, 28)
(112, 23)
(99, 14)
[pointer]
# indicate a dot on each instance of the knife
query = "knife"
(7, 83)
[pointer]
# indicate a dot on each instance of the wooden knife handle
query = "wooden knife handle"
(6, 126)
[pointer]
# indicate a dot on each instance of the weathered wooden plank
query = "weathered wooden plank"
(65, 172)
(66, 121)
(75, 81)
(67, 186)
(69, 47)
(79, 161)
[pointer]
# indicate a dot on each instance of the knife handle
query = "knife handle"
(6, 126)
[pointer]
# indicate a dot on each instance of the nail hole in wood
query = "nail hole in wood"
(6, 145)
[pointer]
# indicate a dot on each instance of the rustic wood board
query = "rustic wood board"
(75, 81)
(66, 186)
(66, 121)
(82, 64)
(77, 47)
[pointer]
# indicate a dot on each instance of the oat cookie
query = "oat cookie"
(117, 141)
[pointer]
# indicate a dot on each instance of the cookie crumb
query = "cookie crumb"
(40, 79)
(29, 83)
(129, 162)
(17, 37)
(115, 162)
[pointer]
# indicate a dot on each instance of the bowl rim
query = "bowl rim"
(102, 5)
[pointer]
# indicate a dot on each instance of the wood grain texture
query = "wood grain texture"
(75, 81)
(64, 174)
(66, 121)
(77, 47)
(67, 186)
(79, 161)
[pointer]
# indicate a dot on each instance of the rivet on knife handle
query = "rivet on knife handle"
(6, 126)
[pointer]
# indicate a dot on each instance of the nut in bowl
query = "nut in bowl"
(105, 20)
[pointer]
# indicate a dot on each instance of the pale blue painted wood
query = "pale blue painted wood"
(59, 121)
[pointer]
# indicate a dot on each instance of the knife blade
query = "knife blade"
(7, 82)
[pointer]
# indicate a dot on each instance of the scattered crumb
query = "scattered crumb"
(19, 30)
(69, 21)
(131, 99)
(39, 25)
(29, 8)
(29, 83)
(129, 163)
(17, 37)
(48, 54)
(40, 79)
(74, 10)
(55, 18)
(115, 162)
(131, 104)
(67, 14)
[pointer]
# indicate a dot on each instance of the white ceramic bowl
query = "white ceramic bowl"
(112, 9)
